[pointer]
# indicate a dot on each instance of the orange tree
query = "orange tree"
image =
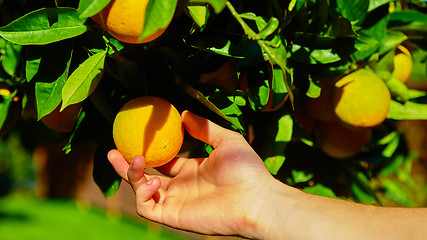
(249, 65)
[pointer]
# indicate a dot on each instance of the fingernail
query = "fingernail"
(150, 181)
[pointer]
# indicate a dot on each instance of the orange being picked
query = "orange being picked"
(361, 99)
(124, 20)
(151, 127)
(402, 64)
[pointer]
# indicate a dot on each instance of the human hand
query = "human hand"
(221, 194)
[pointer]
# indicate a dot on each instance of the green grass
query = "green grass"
(30, 218)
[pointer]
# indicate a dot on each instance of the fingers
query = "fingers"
(205, 130)
(173, 167)
(119, 163)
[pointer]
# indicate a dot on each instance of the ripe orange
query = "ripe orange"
(338, 141)
(124, 20)
(62, 121)
(151, 127)
(361, 99)
(402, 64)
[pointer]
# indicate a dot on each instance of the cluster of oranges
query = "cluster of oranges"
(349, 107)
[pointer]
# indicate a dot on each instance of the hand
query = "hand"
(221, 194)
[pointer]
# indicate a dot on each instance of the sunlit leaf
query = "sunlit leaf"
(320, 190)
(51, 76)
(83, 81)
(217, 5)
(44, 26)
(158, 15)
(407, 111)
(88, 8)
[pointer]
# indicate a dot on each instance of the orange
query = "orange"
(62, 121)
(124, 20)
(225, 76)
(320, 108)
(361, 99)
(338, 141)
(151, 127)
(402, 64)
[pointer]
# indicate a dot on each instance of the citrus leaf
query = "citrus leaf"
(5, 101)
(44, 26)
(199, 14)
(274, 163)
(217, 5)
(88, 8)
(83, 81)
(11, 58)
(355, 10)
(320, 190)
(301, 176)
(51, 76)
(158, 15)
(407, 111)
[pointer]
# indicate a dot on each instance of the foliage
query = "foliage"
(54, 54)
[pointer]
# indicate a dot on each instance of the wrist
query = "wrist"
(269, 210)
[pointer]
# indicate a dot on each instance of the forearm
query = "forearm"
(292, 214)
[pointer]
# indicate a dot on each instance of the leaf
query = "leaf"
(301, 176)
(11, 57)
(407, 111)
(158, 15)
(276, 149)
(44, 26)
(83, 81)
(217, 5)
(320, 190)
(373, 4)
(274, 163)
(355, 10)
(5, 102)
(51, 76)
(88, 8)
(199, 14)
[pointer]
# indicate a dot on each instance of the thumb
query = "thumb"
(205, 130)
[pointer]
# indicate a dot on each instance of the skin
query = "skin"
(232, 193)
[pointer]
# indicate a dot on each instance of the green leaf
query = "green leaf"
(83, 81)
(88, 8)
(320, 190)
(407, 111)
(33, 57)
(5, 102)
(301, 176)
(11, 57)
(397, 192)
(355, 10)
(217, 5)
(274, 163)
(158, 15)
(314, 89)
(44, 26)
(285, 127)
(51, 76)
(276, 152)
(373, 4)
(199, 14)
